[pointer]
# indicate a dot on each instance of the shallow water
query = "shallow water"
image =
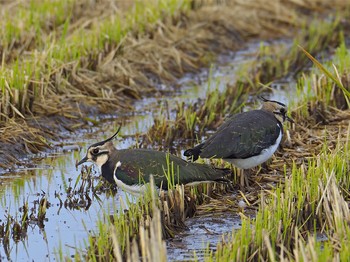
(202, 233)
(68, 228)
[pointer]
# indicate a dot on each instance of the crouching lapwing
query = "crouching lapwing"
(246, 139)
(131, 169)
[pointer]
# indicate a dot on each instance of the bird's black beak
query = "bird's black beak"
(81, 161)
(288, 119)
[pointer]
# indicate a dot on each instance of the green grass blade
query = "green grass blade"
(327, 73)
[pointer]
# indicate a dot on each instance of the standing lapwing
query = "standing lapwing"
(131, 169)
(246, 139)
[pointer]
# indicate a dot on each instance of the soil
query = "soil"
(144, 64)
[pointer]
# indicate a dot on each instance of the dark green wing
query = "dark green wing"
(242, 136)
(138, 164)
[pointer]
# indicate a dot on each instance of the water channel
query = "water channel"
(67, 229)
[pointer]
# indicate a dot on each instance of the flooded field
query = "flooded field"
(169, 73)
(203, 234)
(64, 228)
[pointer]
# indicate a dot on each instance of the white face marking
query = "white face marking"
(279, 117)
(101, 160)
(278, 110)
(256, 160)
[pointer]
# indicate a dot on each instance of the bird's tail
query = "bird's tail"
(193, 153)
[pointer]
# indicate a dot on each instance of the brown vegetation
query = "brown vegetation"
(110, 79)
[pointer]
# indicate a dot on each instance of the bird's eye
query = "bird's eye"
(95, 151)
(282, 110)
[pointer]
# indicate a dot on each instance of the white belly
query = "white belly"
(135, 190)
(256, 160)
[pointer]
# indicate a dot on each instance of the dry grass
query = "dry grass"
(25, 33)
(111, 78)
(120, 72)
(23, 138)
(308, 143)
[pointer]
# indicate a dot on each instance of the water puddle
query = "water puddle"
(65, 228)
(203, 234)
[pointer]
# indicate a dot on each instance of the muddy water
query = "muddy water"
(66, 229)
(203, 233)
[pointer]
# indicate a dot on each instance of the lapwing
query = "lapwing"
(246, 139)
(131, 169)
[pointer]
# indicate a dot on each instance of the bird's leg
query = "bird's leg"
(265, 166)
(243, 178)
(233, 173)
(246, 178)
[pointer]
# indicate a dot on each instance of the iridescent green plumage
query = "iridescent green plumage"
(246, 139)
(134, 167)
